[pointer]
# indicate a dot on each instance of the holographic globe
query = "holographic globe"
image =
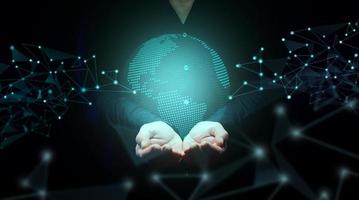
(182, 77)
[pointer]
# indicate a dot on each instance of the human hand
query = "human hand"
(158, 137)
(206, 134)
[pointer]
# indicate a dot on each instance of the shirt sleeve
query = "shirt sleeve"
(126, 112)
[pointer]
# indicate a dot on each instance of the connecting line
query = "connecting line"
(25, 196)
(241, 144)
(168, 190)
(339, 188)
(332, 147)
(275, 191)
(195, 191)
(325, 117)
(355, 174)
(237, 191)
(180, 176)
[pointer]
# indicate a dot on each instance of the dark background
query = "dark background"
(88, 152)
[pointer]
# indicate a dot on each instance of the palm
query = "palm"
(157, 136)
(206, 133)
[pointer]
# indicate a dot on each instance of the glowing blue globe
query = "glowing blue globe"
(182, 76)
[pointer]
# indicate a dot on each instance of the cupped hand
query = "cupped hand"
(206, 134)
(158, 137)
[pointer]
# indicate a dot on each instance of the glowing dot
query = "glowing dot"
(283, 178)
(306, 64)
(261, 88)
(25, 183)
(83, 90)
(259, 152)
(344, 172)
(238, 65)
(261, 74)
(134, 92)
(39, 47)
(49, 91)
(186, 102)
(93, 56)
(44, 101)
(205, 176)
(254, 57)
(262, 48)
(280, 110)
(186, 67)
(289, 96)
(115, 82)
(351, 104)
(230, 97)
(324, 195)
(309, 29)
(260, 61)
(128, 184)
(46, 156)
(283, 39)
(356, 55)
(155, 177)
(296, 133)
(42, 193)
(245, 83)
(292, 32)
(12, 47)
(97, 87)
(90, 103)
(116, 71)
(79, 57)
(59, 117)
(103, 72)
(184, 34)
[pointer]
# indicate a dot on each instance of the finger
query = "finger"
(177, 149)
(220, 132)
(212, 146)
(146, 151)
(138, 150)
(209, 139)
(220, 137)
(143, 136)
(158, 141)
(191, 147)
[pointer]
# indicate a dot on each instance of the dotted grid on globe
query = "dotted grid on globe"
(182, 75)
